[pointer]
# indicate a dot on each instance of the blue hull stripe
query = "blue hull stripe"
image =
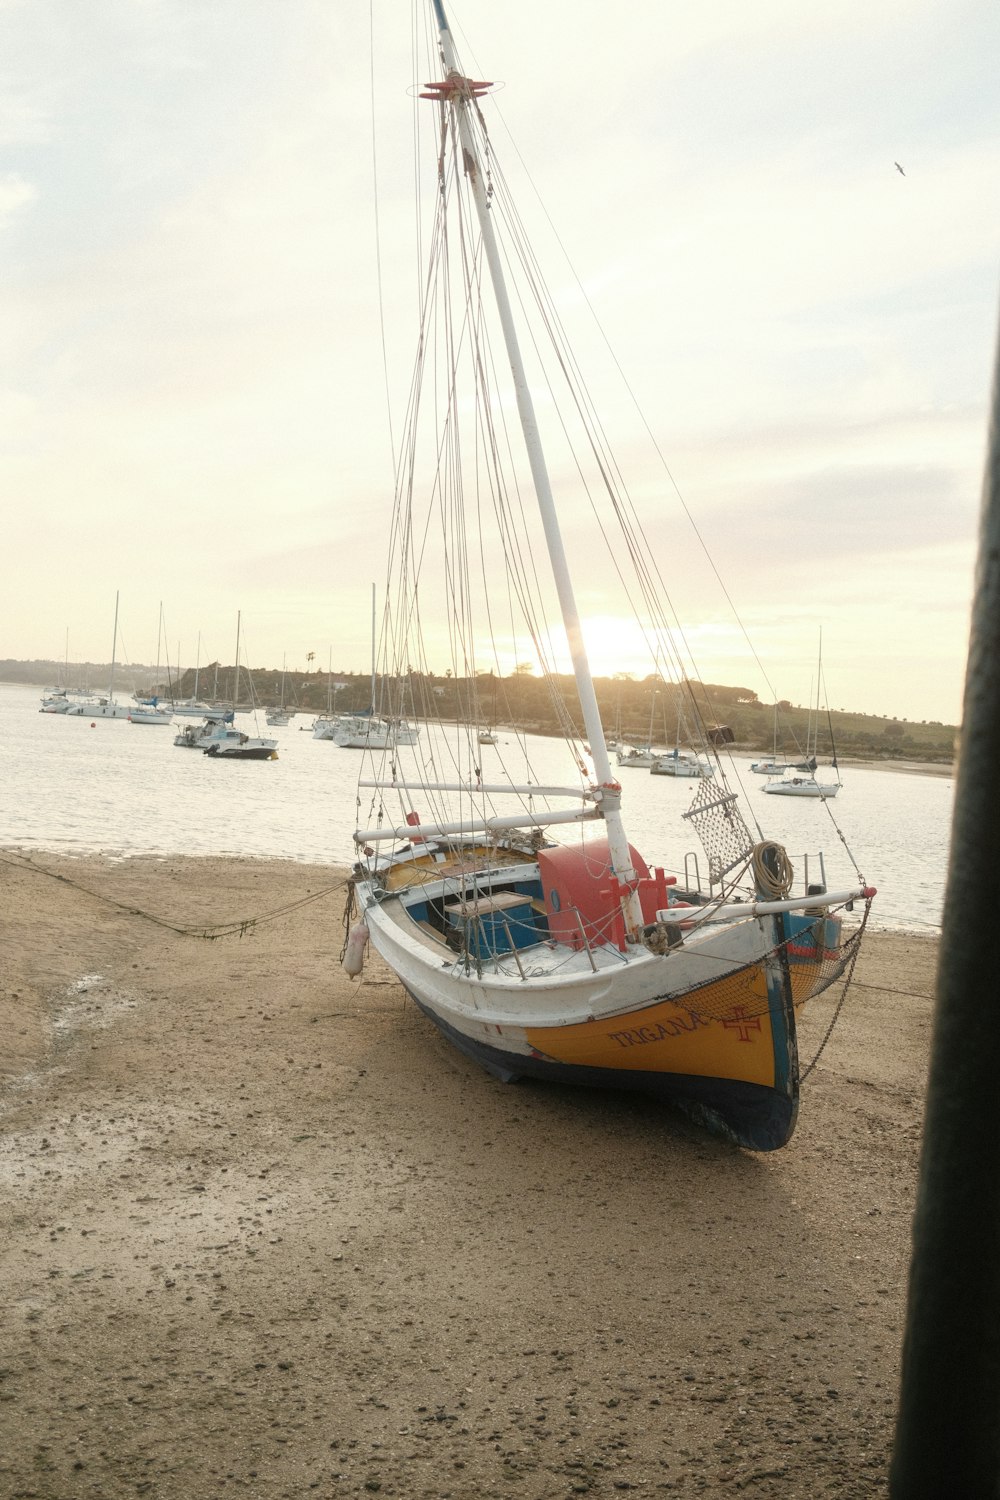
(749, 1114)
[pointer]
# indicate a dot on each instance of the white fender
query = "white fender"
(354, 953)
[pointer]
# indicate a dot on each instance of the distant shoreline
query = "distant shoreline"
(906, 767)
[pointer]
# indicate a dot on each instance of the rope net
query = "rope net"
(719, 824)
(812, 963)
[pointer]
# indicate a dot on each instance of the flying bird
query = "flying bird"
(899, 169)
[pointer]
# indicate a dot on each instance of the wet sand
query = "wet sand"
(263, 1232)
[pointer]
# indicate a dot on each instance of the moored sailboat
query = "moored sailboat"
(577, 962)
(103, 706)
(803, 779)
(370, 729)
(279, 715)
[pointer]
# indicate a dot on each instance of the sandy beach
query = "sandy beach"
(265, 1233)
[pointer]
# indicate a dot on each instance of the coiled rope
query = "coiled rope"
(771, 869)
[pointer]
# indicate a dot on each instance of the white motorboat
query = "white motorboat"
(226, 742)
(679, 762)
(197, 736)
(54, 701)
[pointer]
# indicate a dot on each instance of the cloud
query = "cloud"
(15, 196)
(194, 309)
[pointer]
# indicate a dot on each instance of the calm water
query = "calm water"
(121, 787)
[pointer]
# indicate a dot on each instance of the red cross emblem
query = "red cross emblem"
(743, 1023)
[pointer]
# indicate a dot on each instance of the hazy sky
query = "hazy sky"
(193, 403)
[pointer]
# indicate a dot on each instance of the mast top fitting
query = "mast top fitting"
(455, 86)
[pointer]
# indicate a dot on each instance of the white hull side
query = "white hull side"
(802, 789)
(104, 710)
(497, 1007)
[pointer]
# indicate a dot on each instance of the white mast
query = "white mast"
(159, 641)
(236, 667)
(373, 648)
(114, 653)
(461, 93)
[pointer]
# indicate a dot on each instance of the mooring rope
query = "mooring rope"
(848, 976)
(210, 933)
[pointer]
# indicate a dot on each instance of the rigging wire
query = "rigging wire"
(377, 225)
(452, 307)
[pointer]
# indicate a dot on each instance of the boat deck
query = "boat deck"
(545, 957)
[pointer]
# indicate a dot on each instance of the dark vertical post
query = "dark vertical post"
(948, 1433)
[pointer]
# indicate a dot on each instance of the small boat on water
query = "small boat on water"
(776, 765)
(636, 757)
(194, 707)
(150, 712)
(197, 736)
(679, 762)
(798, 785)
(369, 731)
(324, 725)
(280, 715)
(191, 708)
(804, 778)
(576, 962)
(226, 742)
(60, 700)
(102, 707)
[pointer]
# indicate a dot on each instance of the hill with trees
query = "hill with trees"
(631, 708)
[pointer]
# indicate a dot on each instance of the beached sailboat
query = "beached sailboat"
(575, 961)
